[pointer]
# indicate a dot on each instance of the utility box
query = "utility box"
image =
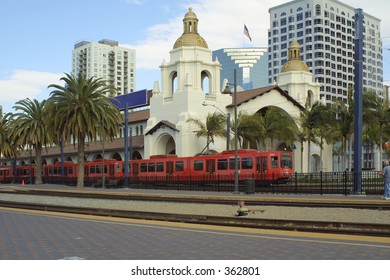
(249, 184)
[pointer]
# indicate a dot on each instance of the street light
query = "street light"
(228, 91)
(227, 123)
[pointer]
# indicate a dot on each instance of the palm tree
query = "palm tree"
(248, 128)
(308, 119)
(214, 126)
(376, 110)
(83, 111)
(323, 127)
(344, 123)
(29, 128)
(274, 124)
(7, 147)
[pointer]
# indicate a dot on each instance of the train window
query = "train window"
(222, 164)
(247, 163)
(232, 163)
(151, 167)
(118, 168)
(143, 167)
(198, 165)
(274, 161)
(286, 161)
(179, 166)
(92, 169)
(159, 167)
(70, 170)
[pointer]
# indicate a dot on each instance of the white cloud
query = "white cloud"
(26, 84)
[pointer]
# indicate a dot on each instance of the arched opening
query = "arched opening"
(315, 165)
(205, 77)
(117, 156)
(136, 155)
(174, 83)
(310, 98)
(165, 144)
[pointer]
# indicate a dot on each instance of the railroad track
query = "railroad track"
(378, 205)
(366, 229)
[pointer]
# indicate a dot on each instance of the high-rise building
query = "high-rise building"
(325, 30)
(251, 66)
(107, 60)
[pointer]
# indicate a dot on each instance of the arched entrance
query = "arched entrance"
(165, 144)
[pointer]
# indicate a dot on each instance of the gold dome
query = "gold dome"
(294, 62)
(190, 36)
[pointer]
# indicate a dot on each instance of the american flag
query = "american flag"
(246, 32)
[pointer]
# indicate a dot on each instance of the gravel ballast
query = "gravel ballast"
(266, 212)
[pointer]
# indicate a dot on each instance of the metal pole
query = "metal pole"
(228, 132)
(235, 137)
(126, 175)
(358, 101)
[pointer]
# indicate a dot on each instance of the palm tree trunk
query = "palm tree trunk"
(308, 155)
(301, 157)
(80, 162)
(38, 157)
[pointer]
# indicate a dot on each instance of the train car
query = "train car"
(54, 170)
(25, 173)
(109, 170)
(6, 174)
(263, 167)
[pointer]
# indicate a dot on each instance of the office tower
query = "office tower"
(325, 31)
(251, 65)
(107, 60)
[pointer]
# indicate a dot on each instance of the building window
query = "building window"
(318, 10)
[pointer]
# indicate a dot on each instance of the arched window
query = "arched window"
(205, 82)
(174, 82)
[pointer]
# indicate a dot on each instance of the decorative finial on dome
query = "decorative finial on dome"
(294, 62)
(190, 36)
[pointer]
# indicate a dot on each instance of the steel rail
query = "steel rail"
(366, 229)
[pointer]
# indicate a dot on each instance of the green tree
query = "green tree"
(213, 127)
(344, 124)
(308, 119)
(29, 128)
(79, 109)
(323, 128)
(8, 148)
(376, 111)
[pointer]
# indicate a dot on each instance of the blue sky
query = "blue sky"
(37, 36)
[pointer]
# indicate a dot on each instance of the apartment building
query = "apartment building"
(107, 60)
(325, 31)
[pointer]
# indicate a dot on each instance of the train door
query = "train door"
(135, 169)
(261, 167)
(210, 166)
(169, 167)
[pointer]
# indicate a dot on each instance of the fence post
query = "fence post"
(321, 192)
(345, 182)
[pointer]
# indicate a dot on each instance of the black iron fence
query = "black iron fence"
(311, 183)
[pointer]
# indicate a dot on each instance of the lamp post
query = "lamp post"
(227, 123)
(228, 91)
